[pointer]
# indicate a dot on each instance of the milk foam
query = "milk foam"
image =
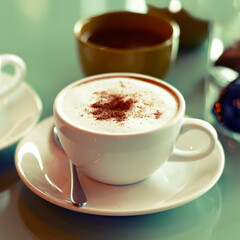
(154, 106)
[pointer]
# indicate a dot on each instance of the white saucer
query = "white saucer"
(19, 112)
(44, 168)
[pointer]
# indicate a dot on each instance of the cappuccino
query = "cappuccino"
(118, 105)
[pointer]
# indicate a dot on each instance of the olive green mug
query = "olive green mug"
(126, 42)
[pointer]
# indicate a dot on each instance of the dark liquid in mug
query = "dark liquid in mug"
(125, 38)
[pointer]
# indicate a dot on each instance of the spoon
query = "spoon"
(77, 196)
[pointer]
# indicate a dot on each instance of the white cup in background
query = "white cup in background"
(8, 83)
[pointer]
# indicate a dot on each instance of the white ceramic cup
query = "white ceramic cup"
(8, 82)
(130, 157)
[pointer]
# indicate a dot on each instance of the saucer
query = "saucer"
(21, 110)
(44, 169)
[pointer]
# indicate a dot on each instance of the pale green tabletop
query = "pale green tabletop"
(41, 32)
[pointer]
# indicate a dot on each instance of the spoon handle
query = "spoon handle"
(78, 196)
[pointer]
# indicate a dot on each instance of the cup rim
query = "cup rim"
(167, 42)
(180, 113)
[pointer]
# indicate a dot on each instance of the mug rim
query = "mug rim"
(142, 77)
(166, 42)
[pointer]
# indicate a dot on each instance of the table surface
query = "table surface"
(41, 32)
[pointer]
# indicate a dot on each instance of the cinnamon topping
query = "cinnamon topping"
(157, 114)
(112, 106)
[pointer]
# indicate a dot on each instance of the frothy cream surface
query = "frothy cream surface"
(151, 106)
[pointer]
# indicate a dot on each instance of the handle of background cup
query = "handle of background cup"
(191, 155)
(19, 71)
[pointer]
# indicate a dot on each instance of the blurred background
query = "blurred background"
(41, 33)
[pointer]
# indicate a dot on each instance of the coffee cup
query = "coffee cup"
(126, 42)
(8, 82)
(193, 30)
(119, 128)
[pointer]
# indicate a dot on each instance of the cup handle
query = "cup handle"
(19, 71)
(192, 155)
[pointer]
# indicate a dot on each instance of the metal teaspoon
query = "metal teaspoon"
(77, 196)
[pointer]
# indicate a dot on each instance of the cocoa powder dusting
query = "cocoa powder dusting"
(112, 106)
(157, 114)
